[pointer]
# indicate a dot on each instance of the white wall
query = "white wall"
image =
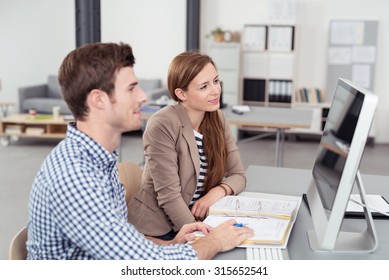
(155, 29)
(35, 35)
(34, 38)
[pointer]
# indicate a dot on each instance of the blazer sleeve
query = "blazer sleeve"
(235, 176)
(162, 157)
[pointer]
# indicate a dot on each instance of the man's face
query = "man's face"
(127, 100)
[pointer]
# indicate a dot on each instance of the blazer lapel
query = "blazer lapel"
(188, 135)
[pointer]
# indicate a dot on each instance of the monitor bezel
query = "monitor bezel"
(327, 234)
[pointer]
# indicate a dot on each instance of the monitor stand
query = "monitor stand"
(352, 242)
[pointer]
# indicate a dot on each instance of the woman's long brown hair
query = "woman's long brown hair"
(182, 70)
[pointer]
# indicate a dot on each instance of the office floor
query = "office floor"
(20, 161)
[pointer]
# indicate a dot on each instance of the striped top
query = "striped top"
(203, 169)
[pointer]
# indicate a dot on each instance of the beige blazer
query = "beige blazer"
(171, 170)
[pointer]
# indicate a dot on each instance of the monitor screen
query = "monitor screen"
(335, 171)
(335, 143)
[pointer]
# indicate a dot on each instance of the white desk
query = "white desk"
(272, 117)
(290, 181)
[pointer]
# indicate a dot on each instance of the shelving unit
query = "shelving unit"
(227, 59)
(260, 71)
(268, 57)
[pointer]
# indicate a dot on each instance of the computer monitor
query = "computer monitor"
(336, 170)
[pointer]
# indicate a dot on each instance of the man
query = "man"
(77, 206)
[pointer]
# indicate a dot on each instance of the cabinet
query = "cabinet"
(227, 59)
(268, 65)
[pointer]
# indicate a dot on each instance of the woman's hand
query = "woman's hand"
(201, 207)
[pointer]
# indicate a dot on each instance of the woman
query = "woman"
(191, 156)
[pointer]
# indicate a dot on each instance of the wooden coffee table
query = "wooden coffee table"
(24, 126)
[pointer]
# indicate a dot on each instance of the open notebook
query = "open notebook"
(271, 216)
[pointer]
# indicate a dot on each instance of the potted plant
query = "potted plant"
(218, 34)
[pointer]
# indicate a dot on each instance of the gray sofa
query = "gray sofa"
(44, 97)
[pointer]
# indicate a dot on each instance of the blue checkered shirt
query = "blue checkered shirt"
(77, 208)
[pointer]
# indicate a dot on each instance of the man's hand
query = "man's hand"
(186, 233)
(222, 238)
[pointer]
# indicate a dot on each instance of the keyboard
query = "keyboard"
(266, 254)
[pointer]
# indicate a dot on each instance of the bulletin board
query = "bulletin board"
(352, 50)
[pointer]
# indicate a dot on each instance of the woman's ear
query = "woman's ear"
(180, 94)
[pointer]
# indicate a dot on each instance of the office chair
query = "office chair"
(130, 175)
(17, 247)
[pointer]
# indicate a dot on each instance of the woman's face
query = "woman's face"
(204, 91)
